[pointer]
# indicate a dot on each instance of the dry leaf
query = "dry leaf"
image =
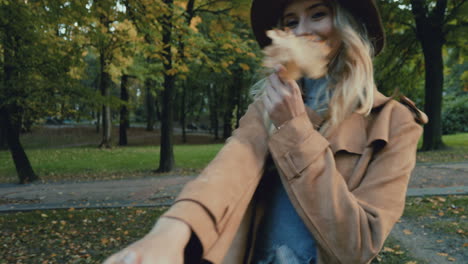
(301, 56)
(399, 252)
(465, 245)
(451, 259)
(441, 199)
(411, 262)
(407, 232)
(439, 241)
(441, 213)
(442, 254)
(387, 249)
(460, 231)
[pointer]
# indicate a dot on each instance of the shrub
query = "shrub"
(455, 115)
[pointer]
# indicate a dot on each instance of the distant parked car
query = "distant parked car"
(53, 121)
(192, 126)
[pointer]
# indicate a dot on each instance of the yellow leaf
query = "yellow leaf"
(465, 245)
(411, 262)
(407, 232)
(195, 21)
(441, 199)
(439, 241)
(387, 249)
(399, 252)
(244, 66)
(104, 241)
(451, 259)
(442, 254)
(44, 215)
(441, 213)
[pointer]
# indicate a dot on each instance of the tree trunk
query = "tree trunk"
(124, 119)
(149, 105)
(166, 162)
(3, 138)
(12, 126)
(429, 30)
(106, 112)
(232, 99)
(183, 113)
(432, 138)
(98, 121)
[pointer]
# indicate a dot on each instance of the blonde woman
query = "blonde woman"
(317, 171)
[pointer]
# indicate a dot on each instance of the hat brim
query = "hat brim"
(265, 15)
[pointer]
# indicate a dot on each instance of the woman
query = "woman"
(327, 184)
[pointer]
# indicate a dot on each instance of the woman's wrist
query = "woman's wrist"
(176, 229)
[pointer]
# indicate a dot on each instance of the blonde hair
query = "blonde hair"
(350, 73)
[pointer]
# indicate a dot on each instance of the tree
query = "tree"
(433, 21)
(36, 69)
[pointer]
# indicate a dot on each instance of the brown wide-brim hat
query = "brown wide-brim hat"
(265, 15)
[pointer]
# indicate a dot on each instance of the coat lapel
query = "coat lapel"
(358, 131)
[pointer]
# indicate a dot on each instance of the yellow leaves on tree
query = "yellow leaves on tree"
(244, 66)
(195, 21)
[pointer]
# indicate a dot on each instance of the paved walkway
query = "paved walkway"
(427, 179)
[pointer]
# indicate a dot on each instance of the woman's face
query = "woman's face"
(311, 17)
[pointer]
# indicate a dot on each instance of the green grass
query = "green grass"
(393, 253)
(93, 163)
(71, 236)
(91, 235)
(441, 214)
(457, 150)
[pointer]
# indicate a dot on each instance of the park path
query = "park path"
(427, 179)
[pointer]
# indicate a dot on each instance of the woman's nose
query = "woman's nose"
(302, 29)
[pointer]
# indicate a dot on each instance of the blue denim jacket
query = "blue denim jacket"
(283, 238)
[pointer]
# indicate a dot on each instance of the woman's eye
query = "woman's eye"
(290, 23)
(318, 15)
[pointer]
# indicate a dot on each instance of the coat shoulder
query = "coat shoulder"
(419, 116)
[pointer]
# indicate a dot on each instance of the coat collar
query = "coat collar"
(357, 132)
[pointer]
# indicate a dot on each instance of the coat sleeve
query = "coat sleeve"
(349, 226)
(207, 202)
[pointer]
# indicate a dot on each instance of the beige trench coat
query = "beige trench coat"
(349, 188)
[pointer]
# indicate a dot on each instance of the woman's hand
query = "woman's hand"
(283, 99)
(165, 244)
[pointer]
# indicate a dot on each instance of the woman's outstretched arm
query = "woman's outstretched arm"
(164, 244)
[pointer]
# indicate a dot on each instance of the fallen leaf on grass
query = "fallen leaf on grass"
(439, 241)
(460, 231)
(411, 262)
(407, 232)
(441, 199)
(442, 254)
(465, 245)
(441, 213)
(399, 252)
(387, 249)
(451, 259)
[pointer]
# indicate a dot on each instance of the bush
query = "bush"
(455, 115)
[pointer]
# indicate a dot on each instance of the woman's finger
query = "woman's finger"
(267, 102)
(278, 85)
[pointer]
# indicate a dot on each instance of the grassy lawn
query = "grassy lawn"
(92, 163)
(90, 235)
(446, 214)
(457, 150)
(71, 236)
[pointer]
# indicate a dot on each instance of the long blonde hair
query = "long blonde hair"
(350, 73)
